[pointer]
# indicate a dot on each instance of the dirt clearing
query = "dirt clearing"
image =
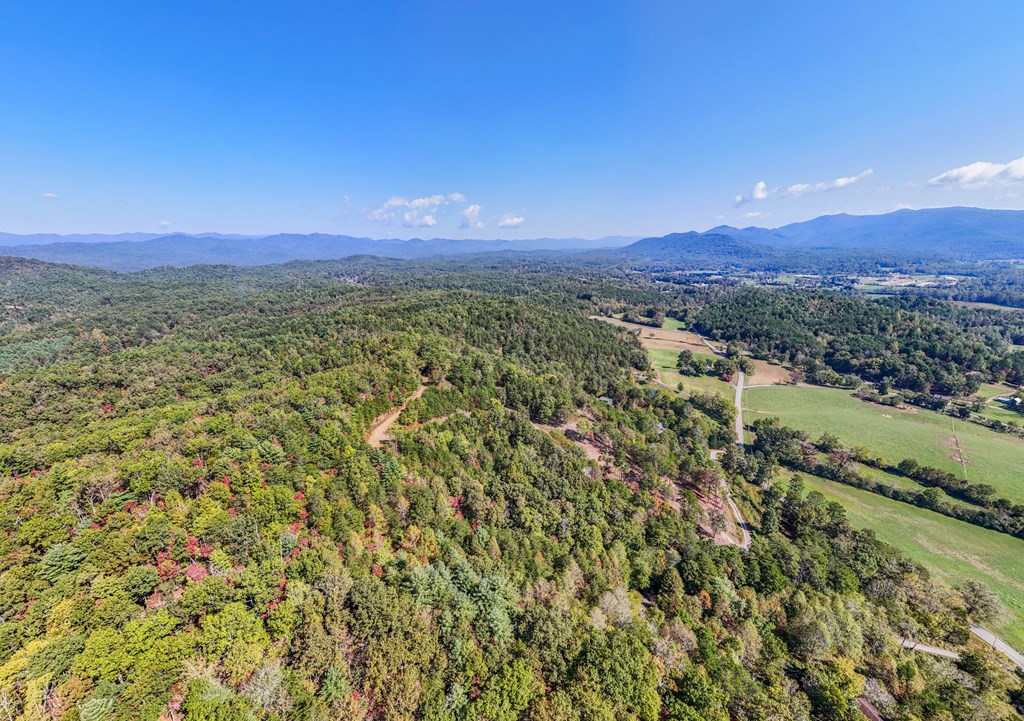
(382, 424)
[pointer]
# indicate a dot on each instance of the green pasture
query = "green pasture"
(926, 436)
(665, 363)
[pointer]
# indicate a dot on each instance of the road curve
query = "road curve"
(999, 645)
(378, 432)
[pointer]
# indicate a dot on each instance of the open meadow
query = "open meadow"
(930, 438)
(664, 362)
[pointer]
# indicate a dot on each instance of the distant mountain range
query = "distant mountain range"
(964, 233)
(940, 233)
(136, 251)
(13, 239)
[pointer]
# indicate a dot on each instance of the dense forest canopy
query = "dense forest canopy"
(193, 522)
(907, 342)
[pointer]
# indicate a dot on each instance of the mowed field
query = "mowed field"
(664, 344)
(952, 550)
(673, 337)
(664, 362)
(928, 437)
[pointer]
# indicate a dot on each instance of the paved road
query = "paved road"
(739, 408)
(740, 378)
(984, 634)
(739, 441)
(999, 645)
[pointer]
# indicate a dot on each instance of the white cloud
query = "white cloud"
(751, 214)
(471, 217)
(49, 196)
(165, 223)
(415, 219)
(982, 175)
(511, 221)
(761, 191)
(805, 188)
(418, 213)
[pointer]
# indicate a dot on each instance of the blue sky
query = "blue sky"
(501, 119)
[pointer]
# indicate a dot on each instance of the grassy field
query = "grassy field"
(665, 362)
(928, 437)
(674, 324)
(986, 306)
(952, 550)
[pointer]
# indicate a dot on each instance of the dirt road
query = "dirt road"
(739, 407)
(925, 648)
(379, 430)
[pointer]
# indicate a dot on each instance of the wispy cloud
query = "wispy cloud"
(415, 213)
(165, 223)
(752, 214)
(511, 221)
(981, 175)
(49, 196)
(761, 191)
(471, 217)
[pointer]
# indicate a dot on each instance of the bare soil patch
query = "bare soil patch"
(766, 373)
(711, 505)
(952, 443)
(591, 445)
(382, 424)
(659, 338)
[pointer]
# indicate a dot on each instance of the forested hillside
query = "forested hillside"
(193, 526)
(907, 342)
